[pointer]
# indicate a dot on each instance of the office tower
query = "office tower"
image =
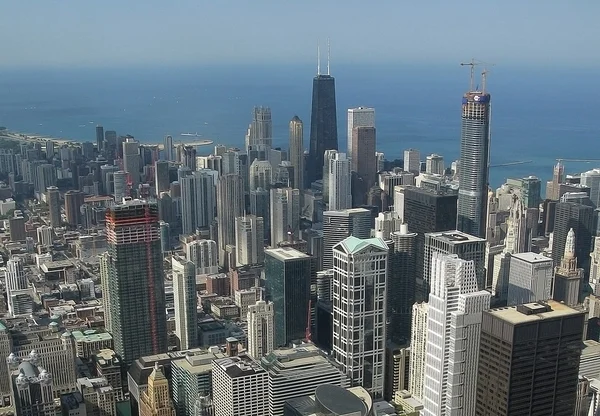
(45, 236)
(188, 157)
(412, 161)
(386, 223)
(287, 275)
(260, 329)
(453, 326)
(16, 283)
(323, 122)
(204, 255)
(110, 144)
(191, 382)
(165, 236)
(296, 145)
(359, 310)
(161, 176)
(340, 193)
(434, 164)
(358, 117)
(530, 278)
(581, 219)
(32, 388)
(132, 161)
(99, 138)
(260, 130)
(466, 246)
(401, 283)
(329, 155)
(531, 191)
(121, 188)
(553, 186)
(99, 396)
(260, 175)
(16, 224)
(297, 372)
(168, 148)
(230, 204)
(568, 280)
(474, 163)
(106, 178)
(364, 164)
(104, 260)
(240, 387)
(45, 177)
(595, 267)
(531, 366)
(136, 280)
(418, 349)
(591, 179)
(249, 240)
(156, 401)
(184, 290)
(338, 225)
(73, 202)
(198, 201)
(53, 196)
(285, 214)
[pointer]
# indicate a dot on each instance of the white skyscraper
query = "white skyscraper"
(184, 290)
(260, 329)
(168, 145)
(591, 178)
(340, 192)
(418, 349)
(453, 325)
(359, 310)
(530, 278)
(412, 161)
(359, 117)
(16, 287)
(261, 174)
(434, 164)
(285, 214)
(198, 200)
(249, 240)
(204, 255)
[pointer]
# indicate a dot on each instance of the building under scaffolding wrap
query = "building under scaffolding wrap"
(136, 280)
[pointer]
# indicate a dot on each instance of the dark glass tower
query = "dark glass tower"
(136, 280)
(99, 138)
(474, 163)
(323, 124)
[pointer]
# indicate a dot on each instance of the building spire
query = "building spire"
(328, 55)
(318, 59)
(570, 245)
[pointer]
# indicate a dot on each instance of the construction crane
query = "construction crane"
(484, 73)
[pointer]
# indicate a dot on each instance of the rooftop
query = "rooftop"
(239, 366)
(346, 212)
(91, 335)
(531, 312)
(455, 237)
(286, 253)
(531, 257)
(353, 244)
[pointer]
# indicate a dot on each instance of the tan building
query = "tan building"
(156, 400)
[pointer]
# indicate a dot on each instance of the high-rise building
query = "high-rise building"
(240, 387)
(32, 389)
(401, 281)
(285, 214)
(296, 145)
(73, 202)
(323, 123)
(338, 225)
(45, 177)
(162, 179)
(453, 326)
(591, 179)
(364, 164)
(16, 224)
(553, 186)
(121, 188)
(230, 204)
(418, 349)
(261, 174)
(168, 148)
(132, 161)
(595, 267)
(412, 161)
(156, 400)
(53, 196)
(359, 310)
(45, 235)
(249, 240)
(531, 365)
(261, 339)
(340, 191)
(288, 275)
(568, 280)
(99, 138)
(474, 163)
(297, 372)
(434, 164)
(16, 284)
(329, 155)
(358, 117)
(198, 201)
(260, 130)
(580, 218)
(204, 255)
(185, 300)
(136, 280)
(530, 278)
(466, 246)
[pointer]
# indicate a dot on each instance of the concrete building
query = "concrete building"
(45, 236)
(358, 117)
(530, 278)
(418, 349)
(186, 315)
(16, 282)
(198, 201)
(363, 162)
(32, 387)
(260, 318)
(340, 190)
(90, 341)
(453, 325)
(338, 225)
(240, 386)
(156, 401)
(204, 255)
(98, 395)
(53, 197)
(412, 161)
(73, 202)
(542, 340)
(359, 310)
(591, 179)
(109, 366)
(261, 174)
(568, 279)
(132, 161)
(296, 146)
(580, 218)
(434, 165)
(249, 240)
(285, 214)
(230, 205)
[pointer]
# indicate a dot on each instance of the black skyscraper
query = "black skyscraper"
(99, 138)
(323, 124)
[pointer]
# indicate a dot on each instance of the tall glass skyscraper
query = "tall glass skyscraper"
(474, 163)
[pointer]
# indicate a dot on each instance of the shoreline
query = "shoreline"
(26, 137)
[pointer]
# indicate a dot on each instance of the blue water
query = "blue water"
(538, 114)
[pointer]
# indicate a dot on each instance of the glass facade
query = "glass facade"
(323, 124)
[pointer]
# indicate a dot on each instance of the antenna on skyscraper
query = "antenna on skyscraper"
(328, 55)
(318, 59)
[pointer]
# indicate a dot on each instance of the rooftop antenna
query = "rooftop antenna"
(328, 55)
(318, 59)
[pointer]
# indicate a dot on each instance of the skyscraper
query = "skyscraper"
(161, 176)
(287, 274)
(53, 196)
(412, 161)
(198, 201)
(358, 117)
(156, 400)
(260, 329)
(453, 325)
(329, 155)
(434, 164)
(580, 218)
(531, 365)
(474, 163)
(418, 349)
(359, 310)
(204, 255)
(249, 240)
(364, 163)
(230, 204)
(121, 190)
(99, 138)
(16, 282)
(340, 192)
(168, 148)
(323, 122)
(136, 280)
(185, 299)
(261, 174)
(296, 145)
(568, 280)
(530, 278)
(73, 202)
(338, 225)
(285, 214)
(132, 161)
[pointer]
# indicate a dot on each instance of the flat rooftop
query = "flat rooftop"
(534, 312)
(346, 212)
(530, 257)
(455, 237)
(286, 253)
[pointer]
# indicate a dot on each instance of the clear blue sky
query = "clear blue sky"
(147, 32)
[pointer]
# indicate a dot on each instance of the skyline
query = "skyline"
(108, 34)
